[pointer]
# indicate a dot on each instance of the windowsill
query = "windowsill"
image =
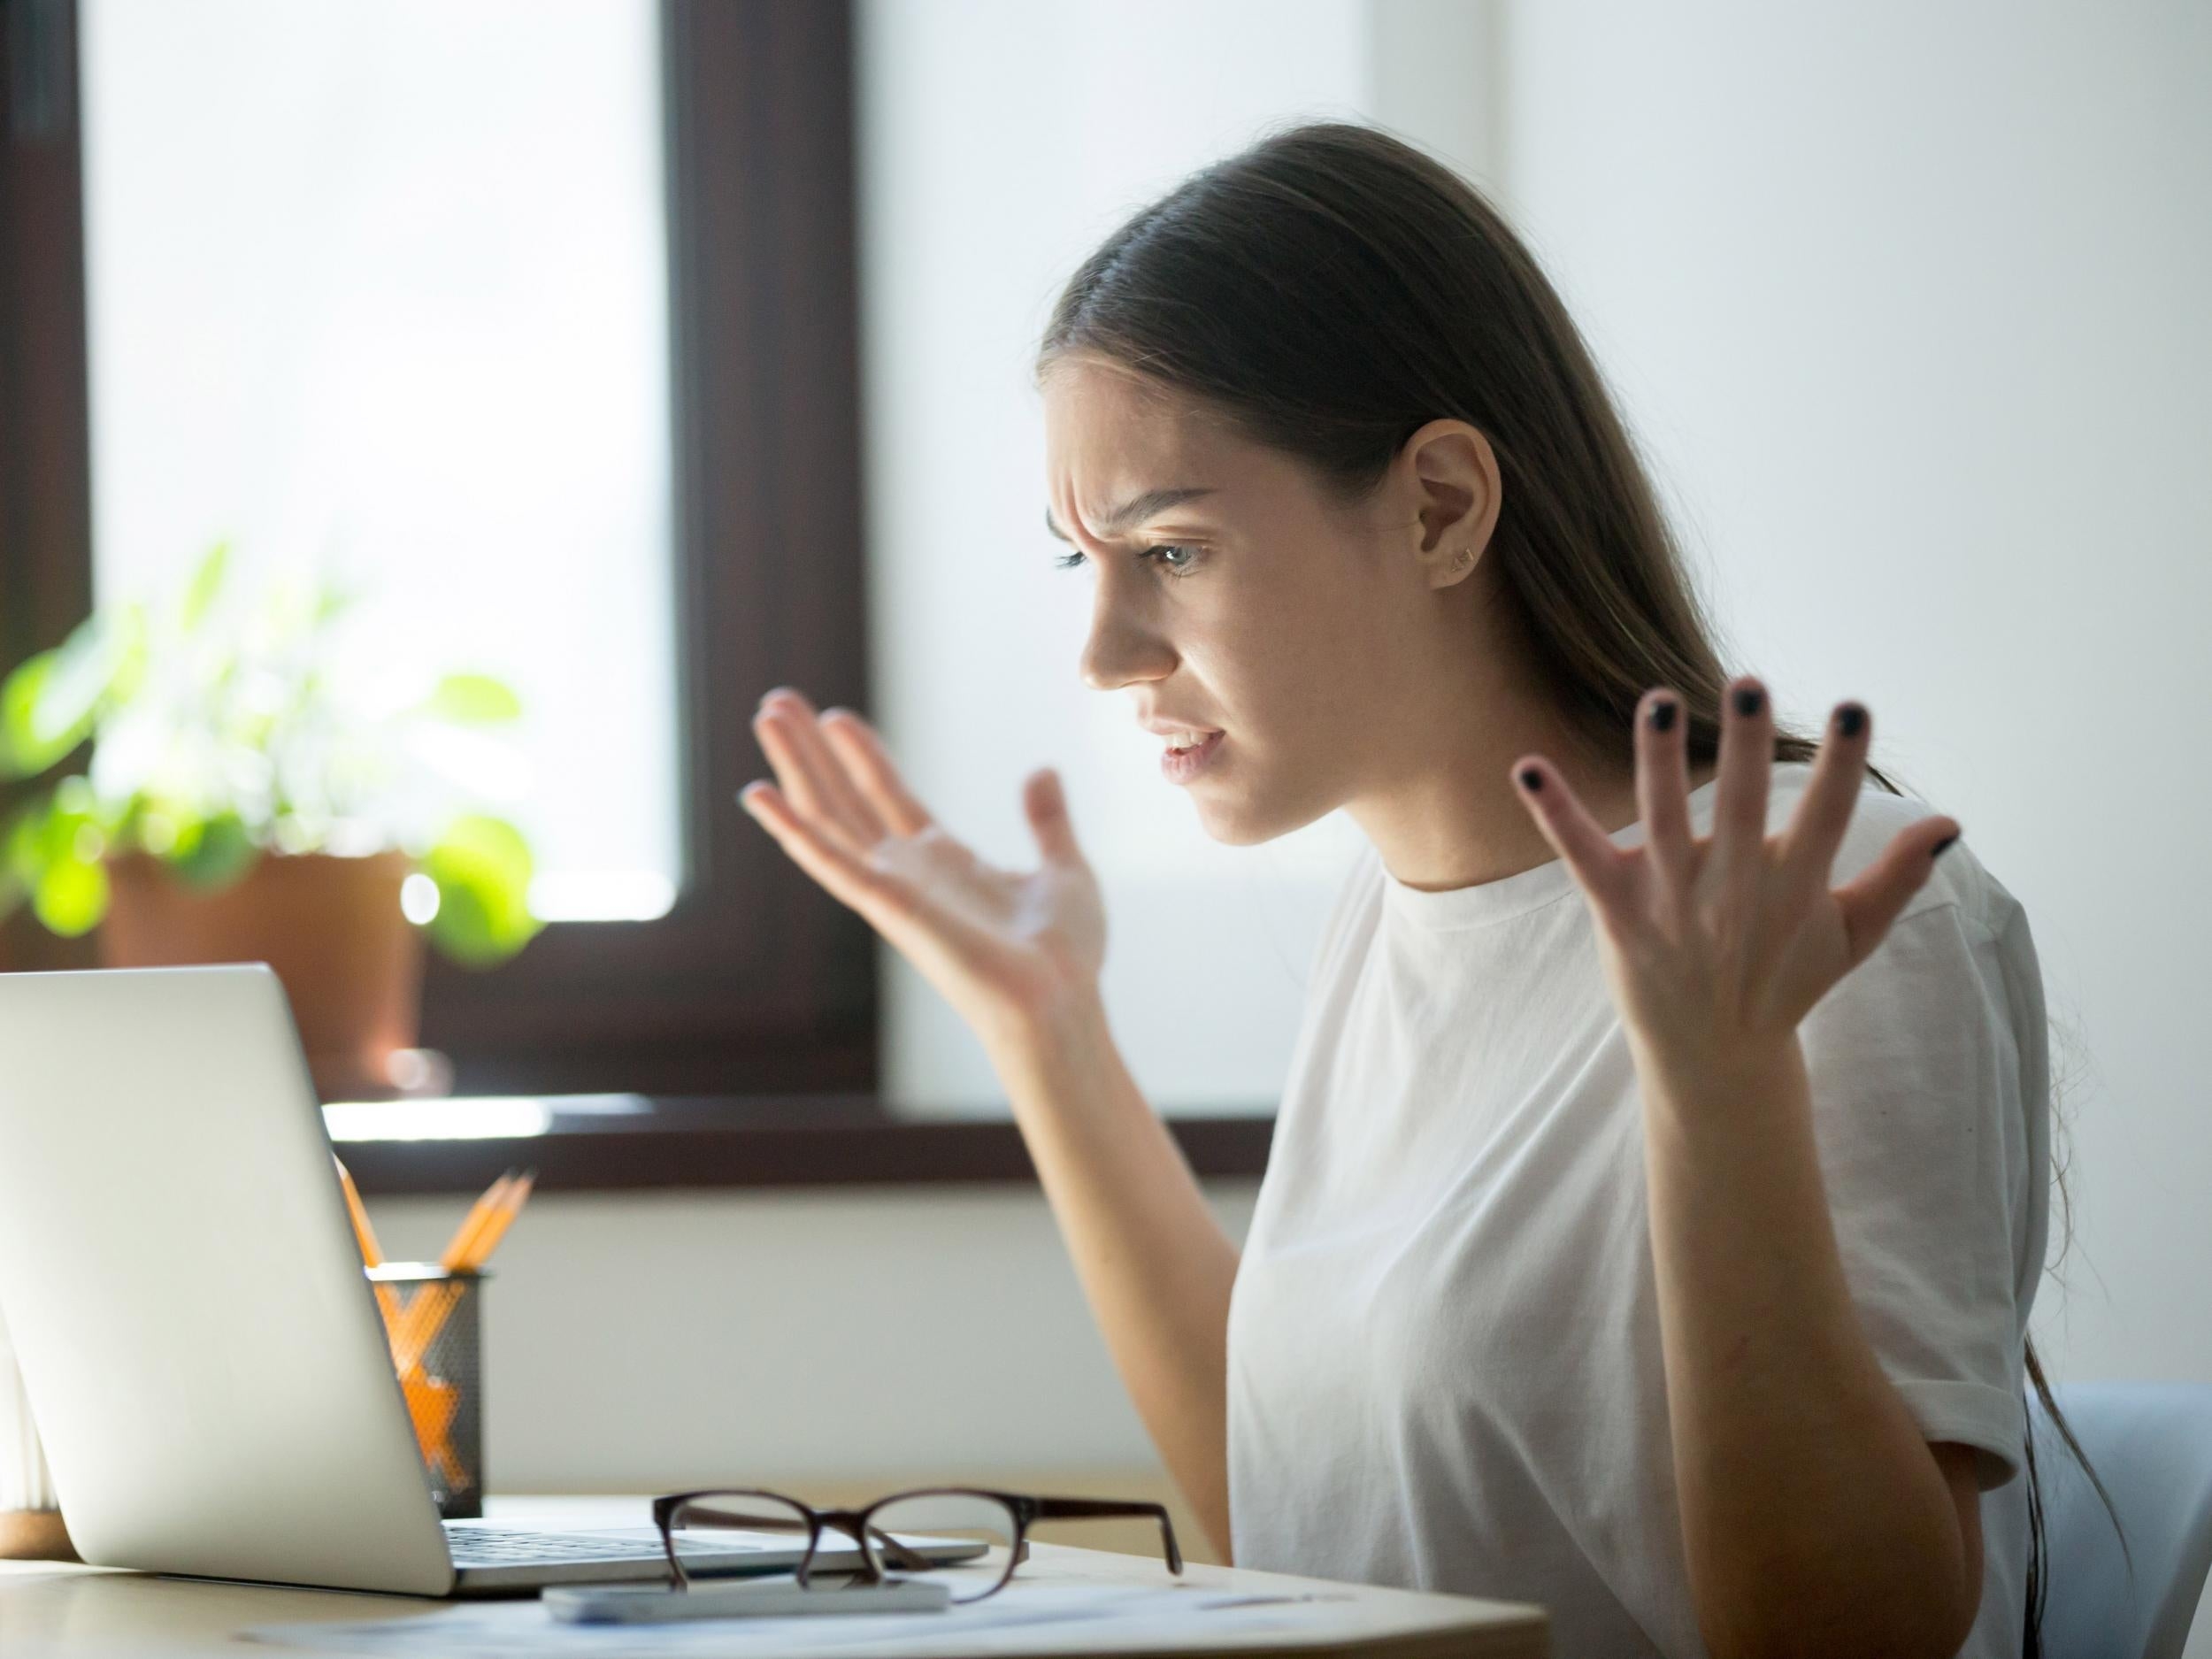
(633, 1144)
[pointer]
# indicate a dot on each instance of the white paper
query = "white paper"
(1025, 1619)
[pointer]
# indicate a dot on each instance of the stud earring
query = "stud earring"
(1466, 557)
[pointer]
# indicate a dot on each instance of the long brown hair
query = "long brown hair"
(1333, 289)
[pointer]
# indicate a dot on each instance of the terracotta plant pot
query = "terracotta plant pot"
(332, 929)
(34, 1535)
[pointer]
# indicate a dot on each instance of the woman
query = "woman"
(1664, 1257)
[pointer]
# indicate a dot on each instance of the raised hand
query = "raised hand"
(1005, 947)
(1716, 949)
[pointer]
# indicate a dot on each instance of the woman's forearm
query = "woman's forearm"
(1814, 1515)
(1154, 1263)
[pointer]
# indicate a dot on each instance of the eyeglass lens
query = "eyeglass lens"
(748, 1521)
(920, 1531)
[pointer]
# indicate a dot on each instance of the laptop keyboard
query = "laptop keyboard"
(499, 1547)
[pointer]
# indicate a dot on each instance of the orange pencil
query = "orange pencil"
(479, 1213)
(427, 1310)
(487, 1221)
(418, 1324)
(433, 1402)
(364, 1235)
(495, 1229)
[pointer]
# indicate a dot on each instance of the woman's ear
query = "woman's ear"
(1452, 474)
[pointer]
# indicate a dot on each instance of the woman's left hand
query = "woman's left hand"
(1717, 947)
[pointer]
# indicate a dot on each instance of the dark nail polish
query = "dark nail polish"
(1749, 701)
(1531, 779)
(1937, 851)
(1662, 715)
(1851, 720)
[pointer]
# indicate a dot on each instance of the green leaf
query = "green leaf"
(48, 705)
(212, 854)
(133, 652)
(73, 794)
(71, 895)
(22, 852)
(205, 583)
(21, 753)
(62, 829)
(482, 866)
(474, 700)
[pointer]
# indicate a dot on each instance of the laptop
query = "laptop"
(201, 1346)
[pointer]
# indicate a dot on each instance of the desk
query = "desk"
(49, 1611)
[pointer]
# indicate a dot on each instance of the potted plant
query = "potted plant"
(259, 789)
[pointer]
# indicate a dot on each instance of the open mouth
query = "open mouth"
(1184, 760)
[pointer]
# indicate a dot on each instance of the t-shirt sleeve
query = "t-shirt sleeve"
(1916, 1080)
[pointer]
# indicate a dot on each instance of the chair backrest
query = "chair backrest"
(2151, 1444)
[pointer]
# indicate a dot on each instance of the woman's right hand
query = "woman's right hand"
(1007, 948)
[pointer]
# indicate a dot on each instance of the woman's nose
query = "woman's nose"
(1121, 650)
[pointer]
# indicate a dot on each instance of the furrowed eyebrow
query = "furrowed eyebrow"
(1137, 509)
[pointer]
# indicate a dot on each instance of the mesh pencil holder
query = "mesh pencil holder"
(432, 1319)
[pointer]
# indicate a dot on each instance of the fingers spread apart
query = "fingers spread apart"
(875, 776)
(812, 775)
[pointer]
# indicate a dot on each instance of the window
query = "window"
(401, 309)
(300, 231)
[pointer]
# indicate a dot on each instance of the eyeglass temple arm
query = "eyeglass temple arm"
(1105, 1509)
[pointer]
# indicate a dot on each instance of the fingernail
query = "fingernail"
(1748, 700)
(1662, 715)
(1851, 720)
(1531, 779)
(1937, 851)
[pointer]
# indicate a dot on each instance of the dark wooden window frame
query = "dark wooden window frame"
(756, 982)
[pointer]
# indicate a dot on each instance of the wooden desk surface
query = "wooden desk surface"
(50, 1611)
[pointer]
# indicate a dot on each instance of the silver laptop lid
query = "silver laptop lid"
(178, 1274)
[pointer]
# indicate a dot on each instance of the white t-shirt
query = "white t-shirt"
(1444, 1358)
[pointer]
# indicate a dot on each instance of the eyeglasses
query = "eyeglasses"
(914, 1532)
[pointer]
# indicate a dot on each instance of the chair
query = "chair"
(2151, 1444)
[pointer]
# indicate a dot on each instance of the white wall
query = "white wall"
(651, 1342)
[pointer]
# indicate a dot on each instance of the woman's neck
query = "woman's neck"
(1451, 816)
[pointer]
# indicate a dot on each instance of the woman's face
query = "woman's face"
(1314, 646)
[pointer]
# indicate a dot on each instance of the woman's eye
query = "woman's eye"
(1175, 558)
